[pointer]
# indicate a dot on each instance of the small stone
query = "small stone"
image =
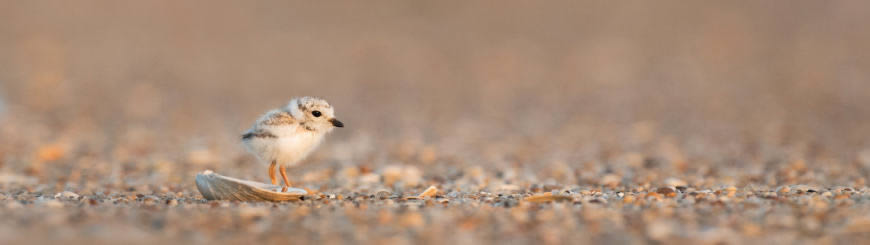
(66, 195)
(842, 190)
(547, 197)
(803, 188)
(382, 195)
(150, 200)
(653, 195)
(429, 192)
(730, 191)
(598, 201)
(666, 191)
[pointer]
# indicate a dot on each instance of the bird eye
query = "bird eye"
(316, 113)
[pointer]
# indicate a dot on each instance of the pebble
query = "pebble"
(547, 197)
(666, 191)
(383, 194)
(429, 192)
(803, 188)
(66, 195)
(150, 200)
(841, 196)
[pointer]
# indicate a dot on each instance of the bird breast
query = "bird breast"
(293, 143)
(289, 145)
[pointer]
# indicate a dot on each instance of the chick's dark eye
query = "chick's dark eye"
(316, 113)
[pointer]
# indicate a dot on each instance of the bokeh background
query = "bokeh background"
(98, 96)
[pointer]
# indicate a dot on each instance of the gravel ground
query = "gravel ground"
(576, 122)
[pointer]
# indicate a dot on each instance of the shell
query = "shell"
(214, 186)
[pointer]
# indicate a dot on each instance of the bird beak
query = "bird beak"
(336, 122)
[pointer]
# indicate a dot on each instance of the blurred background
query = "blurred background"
(108, 109)
(124, 91)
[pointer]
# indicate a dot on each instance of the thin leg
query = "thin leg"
(272, 173)
(286, 181)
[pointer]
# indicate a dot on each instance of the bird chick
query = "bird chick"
(284, 136)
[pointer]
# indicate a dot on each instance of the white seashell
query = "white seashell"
(214, 186)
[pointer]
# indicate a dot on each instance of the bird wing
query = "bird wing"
(276, 117)
(258, 133)
(264, 125)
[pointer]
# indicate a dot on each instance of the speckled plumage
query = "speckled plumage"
(287, 135)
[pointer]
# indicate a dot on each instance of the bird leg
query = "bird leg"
(286, 181)
(272, 173)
